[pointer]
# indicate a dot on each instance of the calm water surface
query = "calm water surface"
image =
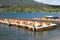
(15, 33)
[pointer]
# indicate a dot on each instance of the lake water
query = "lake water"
(16, 33)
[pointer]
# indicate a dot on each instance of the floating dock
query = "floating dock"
(30, 24)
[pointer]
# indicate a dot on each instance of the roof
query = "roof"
(48, 16)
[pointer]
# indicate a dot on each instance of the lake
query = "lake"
(16, 33)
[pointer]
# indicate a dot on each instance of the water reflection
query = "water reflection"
(38, 35)
(17, 33)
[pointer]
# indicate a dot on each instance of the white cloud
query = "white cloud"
(53, 2)
(38, 0)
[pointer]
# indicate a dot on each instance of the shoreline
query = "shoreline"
(30, 12)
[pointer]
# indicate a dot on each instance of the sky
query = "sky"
(52, 2)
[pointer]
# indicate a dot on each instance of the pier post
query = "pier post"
(21, 24)
(34, 29)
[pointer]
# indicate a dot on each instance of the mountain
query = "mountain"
(26, 6)
(16, 1)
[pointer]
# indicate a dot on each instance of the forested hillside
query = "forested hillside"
(26, 6)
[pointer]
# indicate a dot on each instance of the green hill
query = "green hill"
(26, 6)
(16, 1)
